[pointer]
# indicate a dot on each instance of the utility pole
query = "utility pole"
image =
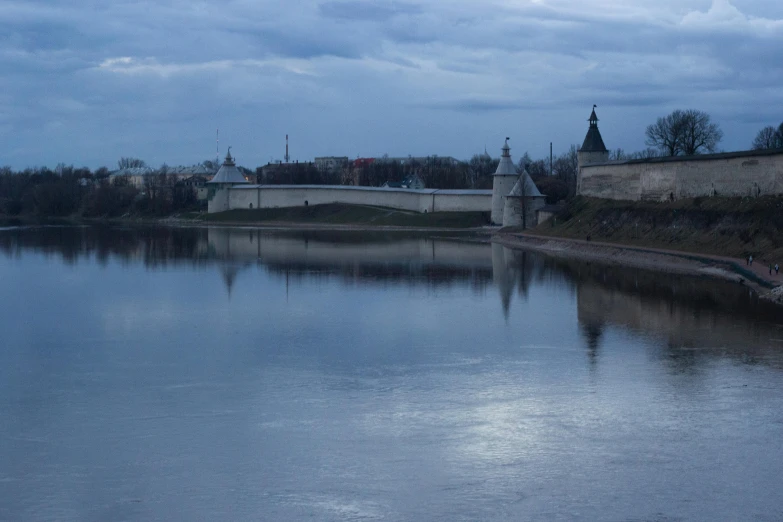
(550, 158)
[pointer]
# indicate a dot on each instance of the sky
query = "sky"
(85, 82)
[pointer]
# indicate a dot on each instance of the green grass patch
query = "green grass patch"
(735, 227)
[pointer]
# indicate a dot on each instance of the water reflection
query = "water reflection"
(408, 378)
(682, 313)
(692, 318)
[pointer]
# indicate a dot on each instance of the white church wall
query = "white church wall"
(427, 200)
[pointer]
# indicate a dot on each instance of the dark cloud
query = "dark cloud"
(367, 11)
(363, 77)
(293, 43)
(477, 105)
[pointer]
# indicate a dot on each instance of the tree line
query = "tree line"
(70, 191)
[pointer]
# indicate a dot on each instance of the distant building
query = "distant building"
(421, 160)
(198, 184)
(331, 163)
(411, 182)
(139, 176)
(359, 163)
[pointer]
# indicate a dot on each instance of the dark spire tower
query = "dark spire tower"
(287, 157)
(593, 149)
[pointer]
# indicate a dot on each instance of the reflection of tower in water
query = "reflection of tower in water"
(229, 272)
(235, 249)
(511, 269)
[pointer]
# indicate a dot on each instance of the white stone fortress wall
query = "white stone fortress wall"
(746, 173)
(279, 196)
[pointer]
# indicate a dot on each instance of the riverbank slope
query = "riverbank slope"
(733, 227)
(706, 236)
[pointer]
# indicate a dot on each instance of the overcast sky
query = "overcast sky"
(88, 81)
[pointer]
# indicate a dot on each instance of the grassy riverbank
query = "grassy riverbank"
(734, 227)
(340, 214)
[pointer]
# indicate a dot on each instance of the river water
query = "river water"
(237, 374)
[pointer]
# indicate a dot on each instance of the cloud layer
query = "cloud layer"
(87, 82)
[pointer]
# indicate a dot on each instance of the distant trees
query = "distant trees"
(769, 138)
(482, 167)
(69, 191)
(130, 163)
(686, 133)
(561, 184)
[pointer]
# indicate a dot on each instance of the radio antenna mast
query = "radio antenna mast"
(287, 157)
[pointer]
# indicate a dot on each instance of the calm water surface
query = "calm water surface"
(235, 374)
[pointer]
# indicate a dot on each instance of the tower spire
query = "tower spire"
(593, 141)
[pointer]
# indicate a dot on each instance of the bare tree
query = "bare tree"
(566, 167)
(645, 154)
(525, 185)
(617, 155)
(130, 163)
(769, 138)
(211, 164)
(686, 133)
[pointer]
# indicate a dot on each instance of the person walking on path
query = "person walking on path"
(776, 268)
(770, 269)
(750, 260)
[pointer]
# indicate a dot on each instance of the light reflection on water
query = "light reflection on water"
(194, 374)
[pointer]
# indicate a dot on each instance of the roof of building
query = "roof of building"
(525, 187)
(593, 140)
(228, 173)
(506, 167)
(410, 180)
(192, 170)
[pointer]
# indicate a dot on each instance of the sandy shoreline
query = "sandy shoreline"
(668, 261)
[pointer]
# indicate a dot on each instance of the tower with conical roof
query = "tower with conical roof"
(226, 177)
(593, 149)
(522, 203)
(502, 182)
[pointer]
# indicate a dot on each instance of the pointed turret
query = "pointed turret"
(593, 141)
(228, 173)
(219, 185)
(593, 149)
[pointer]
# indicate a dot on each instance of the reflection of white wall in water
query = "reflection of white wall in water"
(251, 244)
(240, 246)
(279, 196)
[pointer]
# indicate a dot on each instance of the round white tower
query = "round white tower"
(226, 177)
(502, 182)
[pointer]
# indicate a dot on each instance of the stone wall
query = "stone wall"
(748, 173)
(516, 207)
(426, 200)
